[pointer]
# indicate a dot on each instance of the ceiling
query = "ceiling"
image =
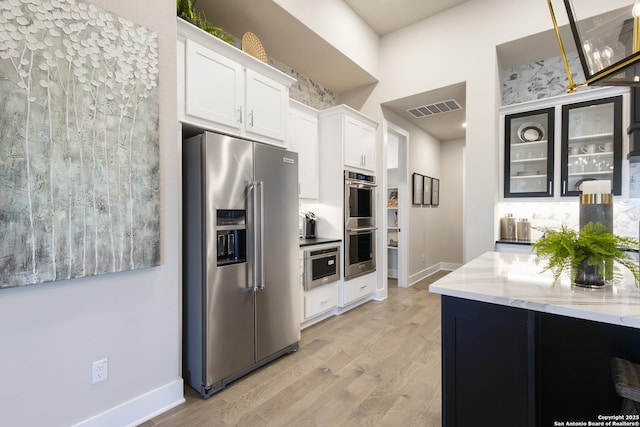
(294, 44)
(386, 16)
(445, 126)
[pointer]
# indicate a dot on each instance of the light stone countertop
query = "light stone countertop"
(516, 280)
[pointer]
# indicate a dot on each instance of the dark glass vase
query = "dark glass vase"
(591, 276)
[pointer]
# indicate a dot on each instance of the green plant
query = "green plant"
(567, 249)
(185, 10)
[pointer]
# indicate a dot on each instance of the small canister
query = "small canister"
(523, 231)
(508, 227)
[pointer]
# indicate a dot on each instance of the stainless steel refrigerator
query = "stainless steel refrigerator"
(241, 290)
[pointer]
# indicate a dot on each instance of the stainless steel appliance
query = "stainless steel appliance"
(360, 224)
(359, 251)
(241, 289)
(321, 265)
(307, 225)
(359, 200)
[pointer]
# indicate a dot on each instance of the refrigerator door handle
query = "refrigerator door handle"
(260, 186)
(254, 207)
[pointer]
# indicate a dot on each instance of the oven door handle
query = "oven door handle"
(359, 184)
(355, 230)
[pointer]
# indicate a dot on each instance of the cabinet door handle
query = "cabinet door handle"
(564, 186)
(251, 118)
(550, 187)
(240, 115)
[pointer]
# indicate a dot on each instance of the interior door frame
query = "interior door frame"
(403, 200)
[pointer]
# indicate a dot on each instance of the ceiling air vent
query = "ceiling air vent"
(435, 108)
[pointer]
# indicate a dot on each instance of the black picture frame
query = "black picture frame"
(426, 190)
(435, 192)
(418, 183)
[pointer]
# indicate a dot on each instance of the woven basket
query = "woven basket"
(251, 45)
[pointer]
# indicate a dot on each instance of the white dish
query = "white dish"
(530, 132)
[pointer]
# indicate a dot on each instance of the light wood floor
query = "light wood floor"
(377, 365)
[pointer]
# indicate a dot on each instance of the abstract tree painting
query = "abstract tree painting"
(79, 152)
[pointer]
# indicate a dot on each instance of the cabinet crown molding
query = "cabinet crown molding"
(346, 110)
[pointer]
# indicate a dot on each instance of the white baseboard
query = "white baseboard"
(449, 266)
(415, 278)
(139, 409)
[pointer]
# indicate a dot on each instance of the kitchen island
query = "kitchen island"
(519, 350)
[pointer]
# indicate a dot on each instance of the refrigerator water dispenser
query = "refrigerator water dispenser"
(231, 236)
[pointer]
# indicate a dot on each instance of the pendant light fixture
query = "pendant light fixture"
(608, 44)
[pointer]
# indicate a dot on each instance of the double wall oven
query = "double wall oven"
(360, 224)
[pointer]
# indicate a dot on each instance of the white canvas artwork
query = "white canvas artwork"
(79, 152)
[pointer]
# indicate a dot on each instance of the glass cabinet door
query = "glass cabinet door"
(591, 144)
(528, 151)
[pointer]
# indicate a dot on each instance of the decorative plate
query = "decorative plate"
(251, 45)
(530, 132)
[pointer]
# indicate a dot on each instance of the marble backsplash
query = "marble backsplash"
(305, 90)
(555, 214)
(539, 79)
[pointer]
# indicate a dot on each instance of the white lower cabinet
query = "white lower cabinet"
(320, 300)
(333, 298)
(358, 287)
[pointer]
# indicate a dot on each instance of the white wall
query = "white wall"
(52, 332)
(339, 25)
(424, 158)
(450, 210)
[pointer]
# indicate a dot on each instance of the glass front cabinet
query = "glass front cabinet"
(528, 155)
(591, 144)
(553, 146)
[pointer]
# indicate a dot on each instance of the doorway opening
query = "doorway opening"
(396, 194)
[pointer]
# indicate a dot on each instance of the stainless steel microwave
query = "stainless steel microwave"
(321, 266)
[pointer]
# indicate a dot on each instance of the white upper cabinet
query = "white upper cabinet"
(219, 99)
(267, 107)
(359, 144)
(303, 139)
(223, 89)
(351, 132)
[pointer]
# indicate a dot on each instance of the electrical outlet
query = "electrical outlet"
(99, 371)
